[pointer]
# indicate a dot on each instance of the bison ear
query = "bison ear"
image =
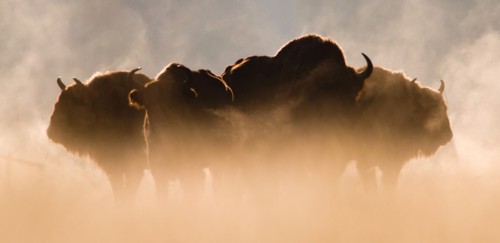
(136, 99)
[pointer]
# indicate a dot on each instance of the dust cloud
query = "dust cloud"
(48, 195)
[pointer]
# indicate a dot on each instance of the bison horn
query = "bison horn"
(413, 81)
(78, 82)
(130, 76)
(368, 71)
(441, 88)
(61, 84)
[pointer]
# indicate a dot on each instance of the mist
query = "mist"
(49, 195)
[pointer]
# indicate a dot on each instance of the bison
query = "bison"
(306, 65)
(341, 115)
(184, 126)
(399, 119)
(296, 96)
(307, 78)
(94, 119)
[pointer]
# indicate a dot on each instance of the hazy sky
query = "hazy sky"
(458, 41)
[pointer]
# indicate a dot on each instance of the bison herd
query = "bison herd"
(303, 111)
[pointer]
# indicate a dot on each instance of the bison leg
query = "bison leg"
(160, 172)
(193, 185)
(219, 181)
(368, 176)
(133, 177)
(390, 174)
(125, 180)
(116, 180)
(161, 184)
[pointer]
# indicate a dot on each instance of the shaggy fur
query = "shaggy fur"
(290, 100)
(95, 120)
(181, 107)
(398, 120)
(389, 122)
(262, 82)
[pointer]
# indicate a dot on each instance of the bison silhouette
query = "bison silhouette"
(191, 113)
(184, 127)
(293, 99)
(94, 119)
(334, 114)
(398, 119)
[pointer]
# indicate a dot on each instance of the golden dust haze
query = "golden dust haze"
(62, 203)
(49, 195)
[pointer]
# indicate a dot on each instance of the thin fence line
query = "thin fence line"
(22, 161)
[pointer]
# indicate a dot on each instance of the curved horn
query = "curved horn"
(130, 76)
(78, 82)
(441, 88)
(413, 81)
(369, 68)
(61, 84)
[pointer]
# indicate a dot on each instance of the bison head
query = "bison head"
(179, 91)
(72, 116)
(403, 114)
(254, 81)
(84, 113)
(430, 112)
